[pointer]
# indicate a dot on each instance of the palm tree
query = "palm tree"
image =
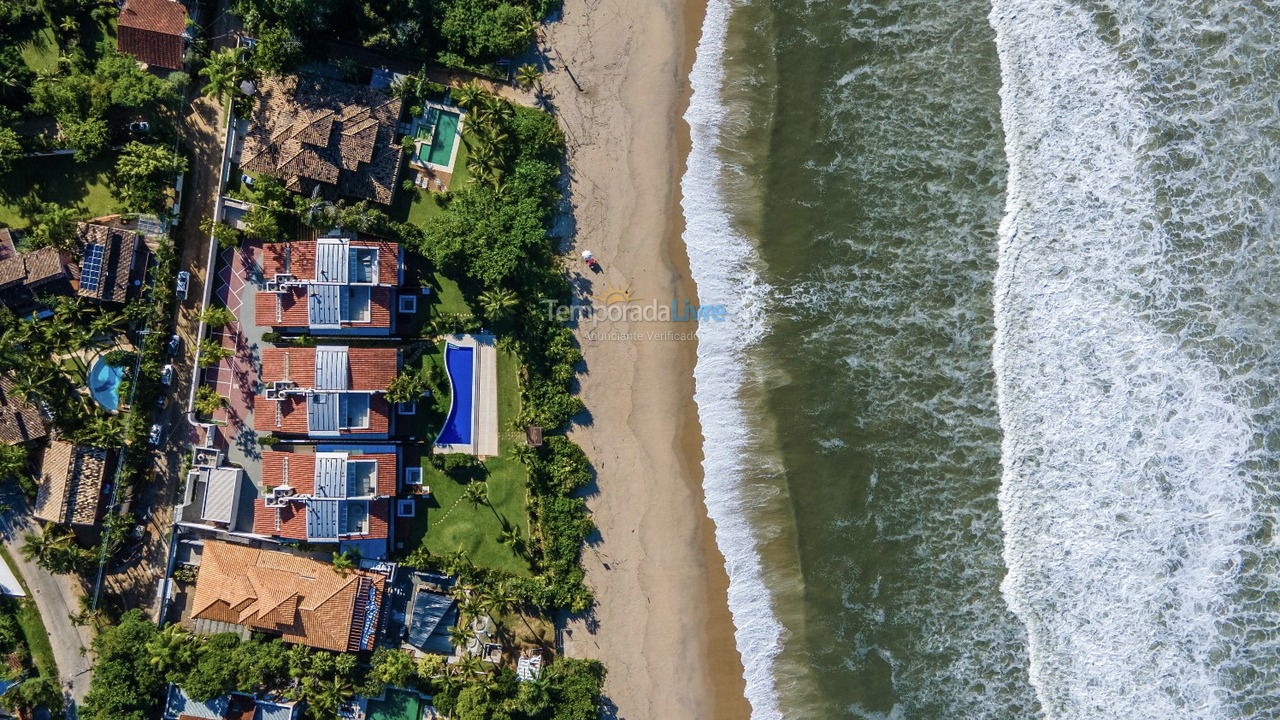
(529, 77)
(460, 636)
(476, 493)
(13, 461)
(101, 431)
(471, 665)
(172, 651)
(222, 72)
(498, 303)
(54, 549)
(497, 108)
(328, 696)
(467, 95)
(103, 323)
(343, 562)
(511, 537)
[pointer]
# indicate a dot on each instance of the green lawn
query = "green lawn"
(40, 52)
(450, 523)
(417, 205)
(448, 296)
(33, 626)
(58, 179)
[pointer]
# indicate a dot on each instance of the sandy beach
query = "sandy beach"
(619, 83)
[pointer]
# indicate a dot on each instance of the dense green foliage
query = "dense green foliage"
(126, 685)
(144, 171)
(456, 31)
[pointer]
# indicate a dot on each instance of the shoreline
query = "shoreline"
(662, 624)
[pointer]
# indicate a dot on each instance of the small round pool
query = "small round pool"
(104, 383)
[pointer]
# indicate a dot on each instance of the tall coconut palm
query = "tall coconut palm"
(460, 637)
(13, 461)
(498, 303)
(467, 96)
(343, 562)
(327, 696)
(172, 651)
(222, 72)
(529, 76)
(476, 493)
(54, 549)
(471, 665)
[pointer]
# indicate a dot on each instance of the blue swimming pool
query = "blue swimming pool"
(104, 384)
(459, 363)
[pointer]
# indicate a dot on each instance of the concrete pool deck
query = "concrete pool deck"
(484, 405)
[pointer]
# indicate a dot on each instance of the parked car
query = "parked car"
(184, 280)
(166, 374)
(154, 436)
(140, 126)
(246, 180)
(175, 342)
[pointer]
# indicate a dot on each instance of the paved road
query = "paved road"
(56, 596)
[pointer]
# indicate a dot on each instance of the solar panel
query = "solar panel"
(91, 268)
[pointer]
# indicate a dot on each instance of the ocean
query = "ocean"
(991, 431)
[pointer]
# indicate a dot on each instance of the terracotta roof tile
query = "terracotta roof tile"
(299, 469)
(303, 600)
(162, 16)
(368, 368)
(289, 416)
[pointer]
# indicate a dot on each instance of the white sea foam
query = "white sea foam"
(721, 264)
(1134, 357)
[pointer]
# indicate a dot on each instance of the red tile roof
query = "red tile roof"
(289, 416)
(290, 522)
(298, 258)
(303, 600)
(289, 309)
(299, 469)
(370, 368)
(151, 31)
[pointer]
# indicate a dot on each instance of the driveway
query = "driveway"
(56, 596)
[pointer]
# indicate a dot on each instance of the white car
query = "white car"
(184, 280)
(166, 374)
(154, 436)
(175, 342)
(140, 126)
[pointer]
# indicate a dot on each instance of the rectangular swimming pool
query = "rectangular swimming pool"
(459, 363)
(395, 705)
(440, 151)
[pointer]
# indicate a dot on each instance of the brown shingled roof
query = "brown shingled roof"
(312, 131)
(70, 489)
(302, 600)
(20, 421)
(120, 250)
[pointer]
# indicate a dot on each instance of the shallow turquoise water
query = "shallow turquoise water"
(104, 384)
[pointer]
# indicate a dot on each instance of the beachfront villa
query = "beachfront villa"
(329, 495)
(303, 601)
(436, 135)
(338, 284)
(471, 427)
(326, 392)
(325, 137)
